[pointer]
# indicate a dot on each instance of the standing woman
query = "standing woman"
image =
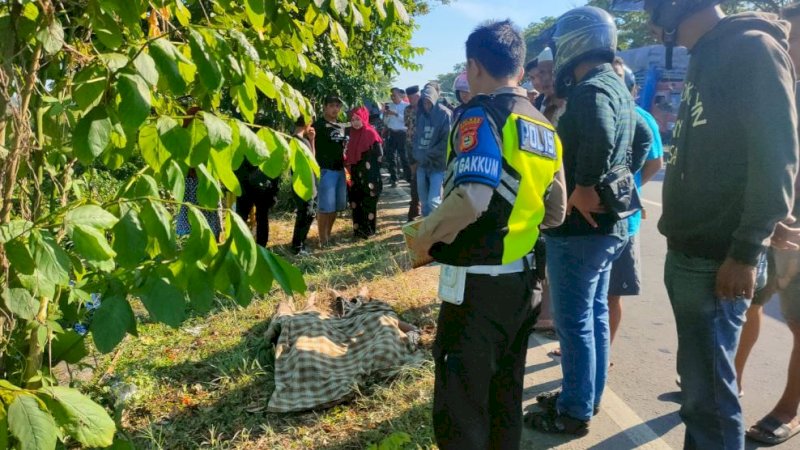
(363, 157)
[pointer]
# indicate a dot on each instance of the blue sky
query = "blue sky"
(444, 30)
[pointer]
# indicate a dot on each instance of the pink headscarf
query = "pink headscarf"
(361, 140)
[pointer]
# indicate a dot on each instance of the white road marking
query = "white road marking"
(650, 202)
(626, 418)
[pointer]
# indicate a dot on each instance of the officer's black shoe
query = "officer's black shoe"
(555, 423)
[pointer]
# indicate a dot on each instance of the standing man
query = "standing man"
(430, 148)
(414, 209)
(626, 272)
(394, 116)
(552, 105)
(783, 278)
(305, 210)
(600, 138)
(505, 158)
(329, 145)
(729, 181)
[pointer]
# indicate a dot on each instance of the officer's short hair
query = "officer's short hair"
(499, 47)
(791, 11)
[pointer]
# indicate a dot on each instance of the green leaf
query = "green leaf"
(130, 240)
(208, 190)
(146, 67)
(114, 61)
(279, 152)
(52, 37)
(20, 257)
(158, 225)
(222, 168)
(256, 13)
(33, 427)
(219, 132)
(261, 280)
(251, 146)
(266, 84)
(107, 30)
(245, 244)
(4, 425)
(247, 98)
(68, 346)
(91, 244)
(134, 101)
(339, 35)
(111, 322)
(163, 301)
(52, 262)
(92, 135)
(289, 277)
(90, 85)
(166, 58)
(400, 12)
(340, 6)
(183, 14)
(20, 302)
(90, 216)
(174, 137)
(320, 24)
(175, 181)
(302, 172)
(200, 144)
(130, 11)
(153, 151)
(201, 243)
(207, 65)
(200, 289)
(84, 420)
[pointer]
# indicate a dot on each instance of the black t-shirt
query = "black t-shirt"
(329, 144)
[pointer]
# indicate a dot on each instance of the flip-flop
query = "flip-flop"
(770, 430)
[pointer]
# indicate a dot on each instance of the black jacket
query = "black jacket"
(730, 176)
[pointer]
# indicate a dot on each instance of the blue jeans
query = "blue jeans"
(578, 269)
(708, 335)
(429, 186)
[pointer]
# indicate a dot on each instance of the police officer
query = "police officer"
(503, 182)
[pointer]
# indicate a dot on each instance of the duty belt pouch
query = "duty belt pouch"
(618, 193)
(451, 284)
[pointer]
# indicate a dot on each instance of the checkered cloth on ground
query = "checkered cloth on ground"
(320, 360)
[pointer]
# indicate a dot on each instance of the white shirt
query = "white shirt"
(396, 122)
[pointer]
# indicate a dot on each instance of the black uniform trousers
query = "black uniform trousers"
(305, 212)
(479, 353)
(395, 151)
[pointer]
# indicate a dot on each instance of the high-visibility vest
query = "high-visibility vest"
(531, 156)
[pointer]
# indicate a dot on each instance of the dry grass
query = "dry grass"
(206, 385)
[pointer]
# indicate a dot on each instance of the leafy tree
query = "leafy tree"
(446, 80)
(180, 86)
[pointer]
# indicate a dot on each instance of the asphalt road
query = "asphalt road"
(641, 410)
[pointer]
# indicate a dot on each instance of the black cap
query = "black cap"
(411, 90)
(333, 98)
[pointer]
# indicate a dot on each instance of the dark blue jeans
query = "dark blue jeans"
(578, 269)
(708, 335)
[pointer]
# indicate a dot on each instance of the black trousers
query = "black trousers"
(305, 211)
(263, 201)
(479, 354)
(396, 152)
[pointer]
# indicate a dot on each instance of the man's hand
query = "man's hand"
(735, 279)
(420, 246)
(311, 133)
(586, 200)
(786, 237)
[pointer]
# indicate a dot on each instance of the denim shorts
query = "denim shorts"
(332, 191)
(626, 272)
(783, 278)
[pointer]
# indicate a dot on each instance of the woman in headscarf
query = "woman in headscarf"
(362, 158)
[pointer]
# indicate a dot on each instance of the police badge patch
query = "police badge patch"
(468, 133)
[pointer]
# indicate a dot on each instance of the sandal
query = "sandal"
(548, 422)
(548, 402)
(770, 430)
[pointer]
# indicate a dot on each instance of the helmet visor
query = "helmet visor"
(627, 5)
